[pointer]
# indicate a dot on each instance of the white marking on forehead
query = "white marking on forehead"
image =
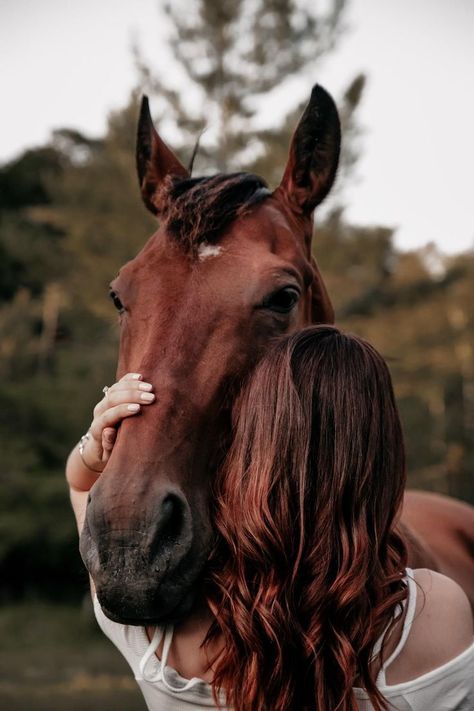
(207, 250)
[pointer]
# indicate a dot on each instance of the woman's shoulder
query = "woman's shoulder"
(442, 627)
(443, 616)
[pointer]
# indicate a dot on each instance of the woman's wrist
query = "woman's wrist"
(79, 476)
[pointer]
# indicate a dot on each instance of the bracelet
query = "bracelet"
(82, 443)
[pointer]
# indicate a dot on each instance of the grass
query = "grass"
(54, 657)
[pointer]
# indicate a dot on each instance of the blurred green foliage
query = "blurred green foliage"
(70, 216)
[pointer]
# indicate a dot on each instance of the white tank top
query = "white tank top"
(449, 687)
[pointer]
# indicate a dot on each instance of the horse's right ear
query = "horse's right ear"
(154, 159)
(314, 154)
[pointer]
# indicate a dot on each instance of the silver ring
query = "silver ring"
(105, 390)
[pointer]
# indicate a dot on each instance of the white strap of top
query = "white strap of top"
(407, 623)
(160, 676)
(150, 652)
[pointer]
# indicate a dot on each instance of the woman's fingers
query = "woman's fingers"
(119, 396)
(122, 399)
(131, 376)
(98, 447)
(111, 418)
(126, 390)
(109, 435)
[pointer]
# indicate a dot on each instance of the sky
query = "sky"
(69, 63)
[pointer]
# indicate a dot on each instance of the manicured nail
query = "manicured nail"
(136, 376)
(145, 386)
(133, 408)
(148, 397)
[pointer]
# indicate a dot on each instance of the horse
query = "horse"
(229, 269)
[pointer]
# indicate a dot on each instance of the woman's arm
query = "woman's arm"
(123, 399)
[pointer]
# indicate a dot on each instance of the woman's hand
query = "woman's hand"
(123, 399)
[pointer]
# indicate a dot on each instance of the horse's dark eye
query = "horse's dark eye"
(117, 303)
(283, 300)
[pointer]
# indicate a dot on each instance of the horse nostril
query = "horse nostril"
(170, 522)
(167, 508)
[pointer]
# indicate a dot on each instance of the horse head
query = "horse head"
(228, 270)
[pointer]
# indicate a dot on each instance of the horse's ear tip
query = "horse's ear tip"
(317, 90)
(144, 106)
(319, 94)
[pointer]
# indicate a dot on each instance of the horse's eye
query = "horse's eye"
(283, 300)
(117, 303)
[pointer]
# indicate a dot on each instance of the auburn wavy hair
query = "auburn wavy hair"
(307, 568)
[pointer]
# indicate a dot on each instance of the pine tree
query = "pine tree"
(232, 56)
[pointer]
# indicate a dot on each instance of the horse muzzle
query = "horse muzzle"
(144, 570)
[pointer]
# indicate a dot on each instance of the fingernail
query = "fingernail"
(133, 407)
(136, 376)
(148, 397)
(145, 386)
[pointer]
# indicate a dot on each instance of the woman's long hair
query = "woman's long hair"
(307, 569)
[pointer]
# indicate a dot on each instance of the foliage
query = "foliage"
(416, 308)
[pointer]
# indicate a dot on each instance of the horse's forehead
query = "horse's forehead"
(266, 228)
(157, 251)
(269, 221)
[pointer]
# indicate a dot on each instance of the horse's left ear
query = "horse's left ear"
(154, 159)
(314, 154)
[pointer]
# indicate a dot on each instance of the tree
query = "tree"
(232, 55)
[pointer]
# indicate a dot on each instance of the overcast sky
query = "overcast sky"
(68, 62)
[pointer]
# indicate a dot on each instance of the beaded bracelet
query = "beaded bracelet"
(82, 443)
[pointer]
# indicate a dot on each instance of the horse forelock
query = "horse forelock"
(198, 210)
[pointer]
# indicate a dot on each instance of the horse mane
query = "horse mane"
(198, 210)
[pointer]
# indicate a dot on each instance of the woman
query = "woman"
(309, 602)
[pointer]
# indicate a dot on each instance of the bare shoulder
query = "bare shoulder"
(442, 596)
(442, 627)
(443, 624)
